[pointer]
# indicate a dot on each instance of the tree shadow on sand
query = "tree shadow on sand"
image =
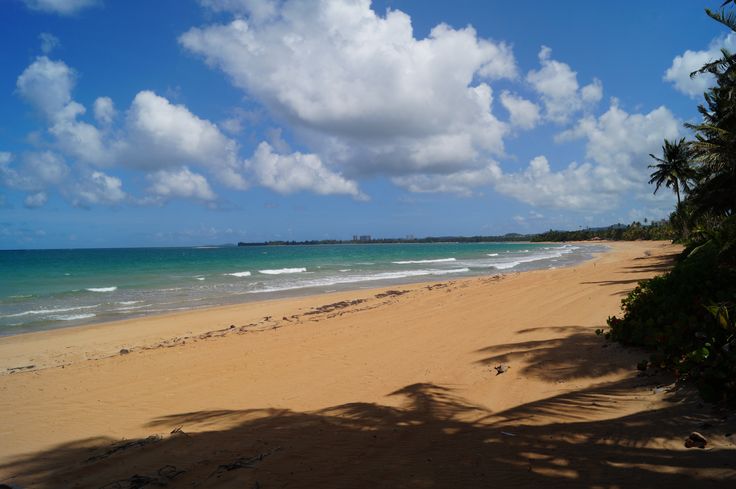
(430, 438)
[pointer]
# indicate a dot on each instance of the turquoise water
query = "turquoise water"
(44, 289)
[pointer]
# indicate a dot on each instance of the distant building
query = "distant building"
(362, 237)
(410, 237)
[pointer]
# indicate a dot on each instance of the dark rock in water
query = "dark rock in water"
(696, 440)
(124, 351)
(500, 369)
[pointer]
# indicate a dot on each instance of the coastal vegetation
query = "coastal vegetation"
(661, 230)
(686, 318)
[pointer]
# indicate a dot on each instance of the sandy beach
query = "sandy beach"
(463, 383)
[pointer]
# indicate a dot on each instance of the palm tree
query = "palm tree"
(673, 169)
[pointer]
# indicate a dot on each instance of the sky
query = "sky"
(190, 122)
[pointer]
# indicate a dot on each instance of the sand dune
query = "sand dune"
(380, 388)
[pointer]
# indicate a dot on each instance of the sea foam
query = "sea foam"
(334, 280)
(411, 262)
(34, 312)
(102, 289)
(72, 317)
(280, 271)
(236, 274)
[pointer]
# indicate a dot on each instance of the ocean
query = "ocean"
(45, 289)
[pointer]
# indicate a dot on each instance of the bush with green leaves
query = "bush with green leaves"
(685, 318)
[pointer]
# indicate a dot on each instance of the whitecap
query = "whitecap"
(237, 274)
(102, 289)
(72, 317)
(49, 311)
(328, 281)
(492, 254)
(279, 271)
(410, 262)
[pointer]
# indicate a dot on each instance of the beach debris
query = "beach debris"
(136, 481)
(391, 293)
(243, 462)
(696, 440)
(507, 433)
(124, 351)
(124, 445)
(334, 307)
(179, 431)
(12, 370)
(501, 369)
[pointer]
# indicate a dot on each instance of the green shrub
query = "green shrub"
(685, 319)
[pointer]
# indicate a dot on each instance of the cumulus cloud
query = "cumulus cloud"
(557, 85)
(616, 143)
(47, 85)
(619, 143)
(155, 135)
(461, 183)
(296, 172)
(95, 188)
(33, 201)
(682, 65)
(162, 135)
(104, 110)
(181, 183)
(37, 171)
(372, 97)
(523, 113)
(49, 42)
(570, 188)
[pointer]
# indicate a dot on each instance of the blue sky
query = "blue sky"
(180, 122)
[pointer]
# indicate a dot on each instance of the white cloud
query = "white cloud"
(180, 183)
(104, 110)
(620, 143)
(295, 172)
(61, 7)
(163, 135)
(49, 42)
(360, 88)
(523, 113)
(682, 65)
(47, 85)
(557, 85)
(460, 183)
(571, 188)
(36, 172)
(34, 201)
(95, 188)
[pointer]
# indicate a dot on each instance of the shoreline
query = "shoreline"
(97, 308)
(127, 339)
(453, 383)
